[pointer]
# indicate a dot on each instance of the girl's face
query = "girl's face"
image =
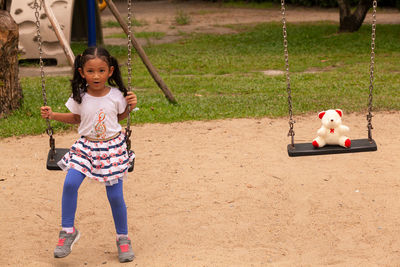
(96, 72)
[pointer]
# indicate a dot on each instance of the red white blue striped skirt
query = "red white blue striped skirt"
(103, 160)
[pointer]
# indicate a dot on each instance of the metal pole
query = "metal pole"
(91, 17)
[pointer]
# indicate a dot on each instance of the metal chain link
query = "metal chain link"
(371, 72)
(128, 122)
(288, 89)
(49, 129)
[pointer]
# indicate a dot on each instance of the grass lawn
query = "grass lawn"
(220, 76)
(156, 35)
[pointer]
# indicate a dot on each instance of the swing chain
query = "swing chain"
(291, 132)
(128, 131)
(49, 129)
(371, 79)
(129, 45)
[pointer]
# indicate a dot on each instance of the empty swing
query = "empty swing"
(56, 154)
(357, 145)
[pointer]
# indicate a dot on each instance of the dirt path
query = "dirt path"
(215, 193)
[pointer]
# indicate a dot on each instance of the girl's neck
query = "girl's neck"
(98, 92)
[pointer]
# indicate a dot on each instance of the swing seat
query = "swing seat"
(60, 152)
(51, 164)
(307, 149)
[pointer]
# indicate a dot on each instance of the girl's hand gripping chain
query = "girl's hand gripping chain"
(131, 99)
(46, 112)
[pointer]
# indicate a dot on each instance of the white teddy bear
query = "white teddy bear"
(332, 131)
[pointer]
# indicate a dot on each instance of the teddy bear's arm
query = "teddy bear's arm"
(322, 131)
(344, 129)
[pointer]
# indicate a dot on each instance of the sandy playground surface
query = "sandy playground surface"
(215, 193)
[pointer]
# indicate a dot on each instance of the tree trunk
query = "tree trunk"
(10, 89)
(351, 22)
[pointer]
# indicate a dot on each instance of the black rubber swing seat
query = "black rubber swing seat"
(307, 149)
(51, 164)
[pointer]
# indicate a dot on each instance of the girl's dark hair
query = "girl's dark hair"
(79, 84)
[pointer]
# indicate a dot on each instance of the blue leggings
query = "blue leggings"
(115, 195)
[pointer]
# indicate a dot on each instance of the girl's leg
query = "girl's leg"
(115, 196)
(69, 235)
(72, 182)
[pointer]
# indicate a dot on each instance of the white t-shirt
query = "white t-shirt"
(99, 115)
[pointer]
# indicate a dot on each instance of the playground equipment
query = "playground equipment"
(102, 4)
(358, 145)
(22, 11)
(61, 22)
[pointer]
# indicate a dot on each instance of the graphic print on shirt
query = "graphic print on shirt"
(100, 128)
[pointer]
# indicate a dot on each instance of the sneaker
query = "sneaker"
(125, 252)
(65, 243)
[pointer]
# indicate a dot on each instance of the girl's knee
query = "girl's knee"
(115, 195)
(116, 200)
(73, 180)
(70, 186)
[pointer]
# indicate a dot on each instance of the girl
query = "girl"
(100, 153)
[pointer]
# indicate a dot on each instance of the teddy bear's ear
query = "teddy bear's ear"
(321, 114)
(340, 112)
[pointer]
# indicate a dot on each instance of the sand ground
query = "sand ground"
(215, 193)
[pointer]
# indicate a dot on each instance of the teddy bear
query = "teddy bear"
(332, 131)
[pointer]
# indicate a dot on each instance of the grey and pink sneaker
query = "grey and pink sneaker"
(125, 252)
(65, 243)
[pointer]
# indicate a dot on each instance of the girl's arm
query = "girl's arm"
(71, 118)
(131, 99)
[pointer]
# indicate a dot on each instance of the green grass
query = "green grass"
(110, 24)
(219, 76)
(182, 18)
(156, 35)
